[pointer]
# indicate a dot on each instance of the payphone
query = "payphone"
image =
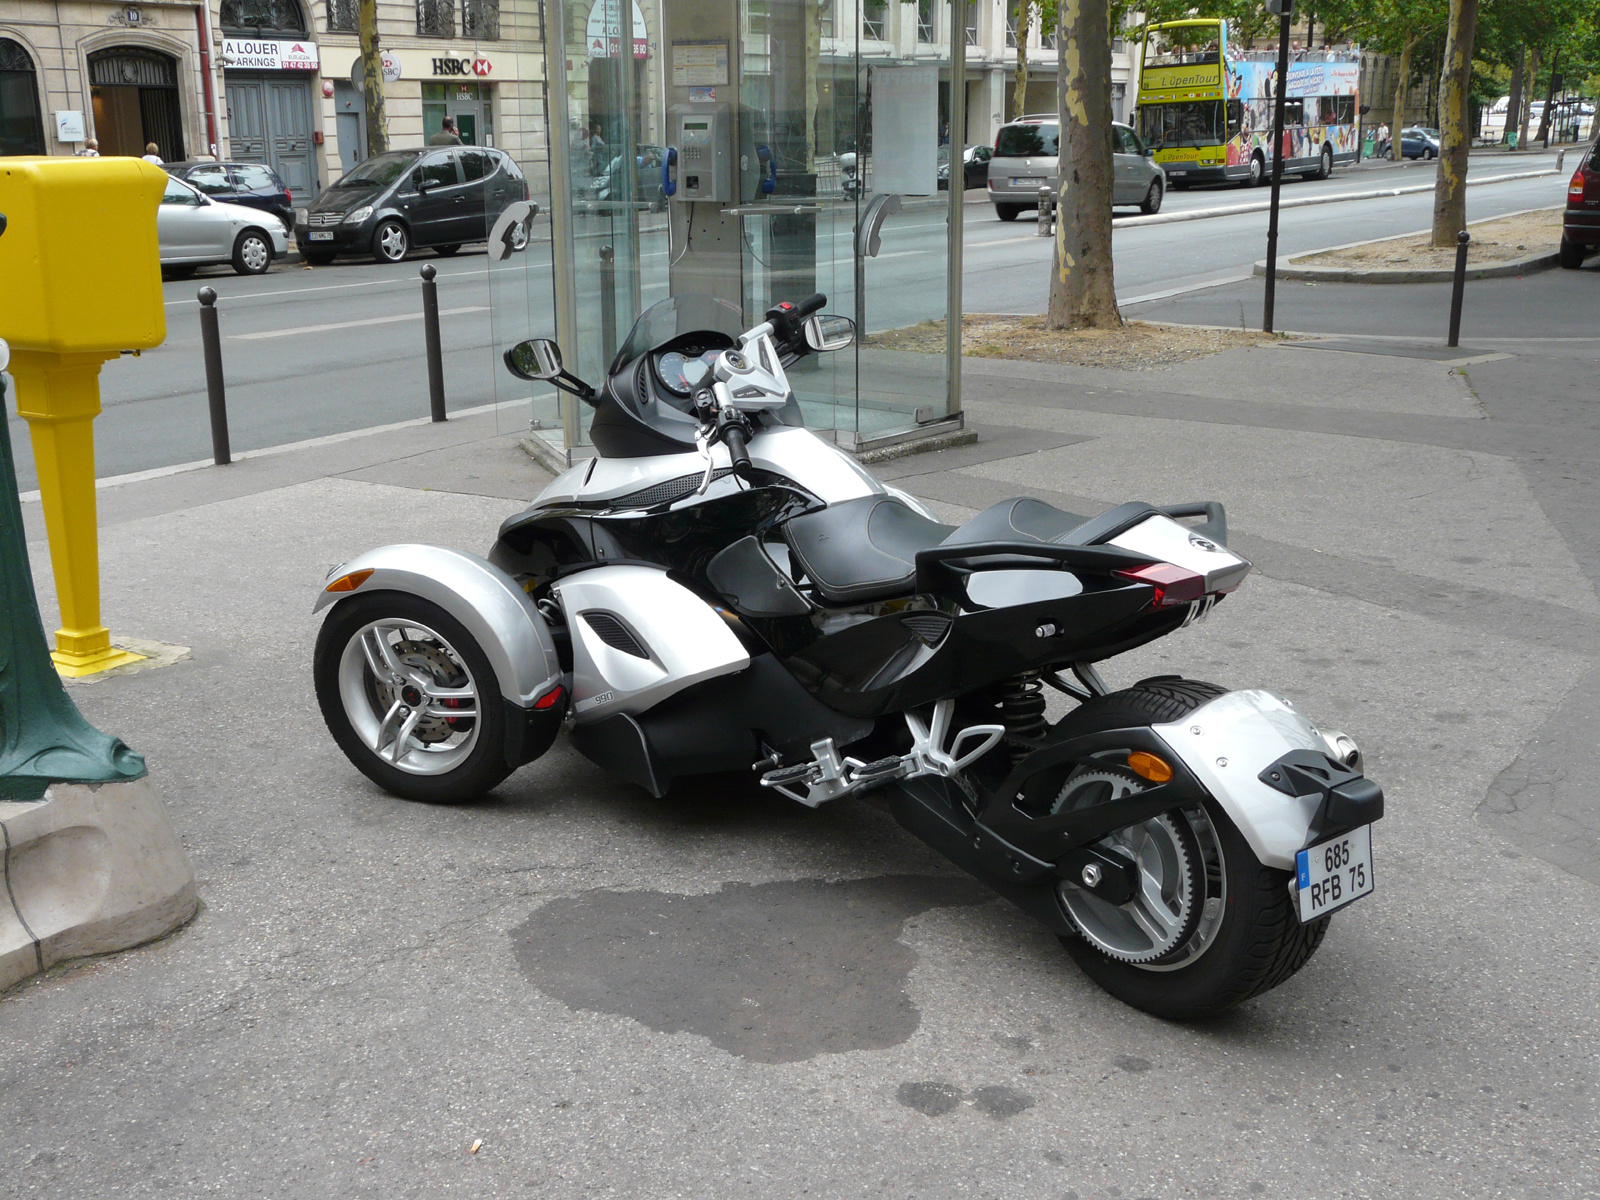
(699, 162)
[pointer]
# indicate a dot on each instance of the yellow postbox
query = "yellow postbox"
(80, 282)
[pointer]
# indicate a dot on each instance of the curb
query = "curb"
(1233, 210)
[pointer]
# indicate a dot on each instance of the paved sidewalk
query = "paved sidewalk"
(724, 994)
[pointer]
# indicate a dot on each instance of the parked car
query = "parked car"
(1025, 160)
(254, 185)
(974, 164)
(439, 197)
(1419, 143)
(195, 231)
(1580, 224)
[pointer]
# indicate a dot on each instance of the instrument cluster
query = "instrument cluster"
(683, 370)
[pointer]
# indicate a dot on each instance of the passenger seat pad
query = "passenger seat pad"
(862, 549)
(1020, 520)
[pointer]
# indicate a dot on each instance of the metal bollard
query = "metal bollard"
(1561, 157)
(608, 301)
(1458, 287)
(216, 392)
(430, 335)
(1047, 212)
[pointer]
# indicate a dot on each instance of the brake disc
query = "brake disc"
(1163, 915)
(431, 658)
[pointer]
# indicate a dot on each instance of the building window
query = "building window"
(972, 22)
(343, 16)
(264, 16)
(925, 30)
(1011, 30)
(874, 19)
(21, 125)
(436, 18)
(480, 19)
(825, 18)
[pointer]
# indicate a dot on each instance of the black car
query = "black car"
(974, 163)
(251, 184)
(438, 197)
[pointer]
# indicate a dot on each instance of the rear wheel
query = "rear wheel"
(1327, 163)
(411, 698)
(318, 258)
(446, 251)
(1211, 926)
(1258, 171)
(1007, 212)
(1572, 253)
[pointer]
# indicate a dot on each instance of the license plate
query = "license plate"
(1333, 873)
(1015, 182)
(1176, 171)
(322, 235)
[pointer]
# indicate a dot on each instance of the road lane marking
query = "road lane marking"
(278, 333)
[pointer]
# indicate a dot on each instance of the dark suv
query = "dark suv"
(1580, 226)
(438, 197)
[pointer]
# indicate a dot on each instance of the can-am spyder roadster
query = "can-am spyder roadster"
(721, 590)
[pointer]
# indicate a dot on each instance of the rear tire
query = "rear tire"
(1007, 212)
(446, 251)
(1572, 253)
(1326, 169)
(321, 258)
(1258, 171)
(444, 761)
(252, 253)
(1255, 944)
(1152, 199)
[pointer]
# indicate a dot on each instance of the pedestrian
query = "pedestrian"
(152, 154)
(447, 135)
(91, 149)
(1383, 139)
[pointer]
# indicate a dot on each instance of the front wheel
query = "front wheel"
(1152, 198)
(1211, 926)
(1007, 212)
(1258, 171)
(410, 698)
(390, 242)
(252, 253)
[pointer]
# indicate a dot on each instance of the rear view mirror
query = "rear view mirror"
(826, 332)
(539, 358)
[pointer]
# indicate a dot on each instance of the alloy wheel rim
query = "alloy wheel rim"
(393, 241)
(409, 696)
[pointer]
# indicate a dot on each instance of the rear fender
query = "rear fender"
(495, 611)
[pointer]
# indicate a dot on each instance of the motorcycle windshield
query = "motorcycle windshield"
(690, 313)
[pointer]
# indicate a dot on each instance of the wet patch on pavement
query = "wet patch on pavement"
(934, 1099)
(771, 972)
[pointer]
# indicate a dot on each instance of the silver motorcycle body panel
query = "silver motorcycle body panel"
(1227, 743)
(494, 610)
(683, 640)
(1165, 540)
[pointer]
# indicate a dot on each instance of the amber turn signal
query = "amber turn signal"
(1141, 762)
(350, 582)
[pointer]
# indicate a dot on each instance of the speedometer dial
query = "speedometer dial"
(682, 373)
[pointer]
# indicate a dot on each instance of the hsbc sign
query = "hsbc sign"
(450, 66)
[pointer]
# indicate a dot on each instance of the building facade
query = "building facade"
(266, 81)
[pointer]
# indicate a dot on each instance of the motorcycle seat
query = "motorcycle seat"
(866, 549)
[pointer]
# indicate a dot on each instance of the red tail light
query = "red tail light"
(1575, 188)
(1173, 585)
(551, 698)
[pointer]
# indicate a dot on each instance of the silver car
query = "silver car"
(1025, 159)
(195, 231)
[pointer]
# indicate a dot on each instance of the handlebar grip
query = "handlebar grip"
(738, 452)
(811, 304)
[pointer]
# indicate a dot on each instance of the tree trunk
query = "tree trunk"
(1549, 95)
(1530, 81)
(1019, 97)
(372, 78)
(1450, 187)
(1514, 96)
(1083, 292)
(1401, 90)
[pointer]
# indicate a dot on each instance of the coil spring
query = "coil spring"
(1022, 711)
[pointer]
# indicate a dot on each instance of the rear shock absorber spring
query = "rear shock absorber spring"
(1022, 710)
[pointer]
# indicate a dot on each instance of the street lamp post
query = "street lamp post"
(1285, 13)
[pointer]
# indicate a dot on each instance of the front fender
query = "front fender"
(495, 611)
(1227, 743)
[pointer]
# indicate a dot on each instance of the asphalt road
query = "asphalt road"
(317, 352)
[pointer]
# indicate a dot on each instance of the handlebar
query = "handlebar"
(811, 304)
(733, 433)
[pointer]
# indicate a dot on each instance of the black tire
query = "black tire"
(1178, 185)
(1258, 171)
(318, 258)
(1572, 254)
(1007, 212)
(446, 251)
(252, 252)
(179, 271)
(391, 242)
(481, 769)
(1429, 153)
(1152, 198)
(1260, 942)
(1327, 163)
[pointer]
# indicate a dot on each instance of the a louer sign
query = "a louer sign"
(244, 54)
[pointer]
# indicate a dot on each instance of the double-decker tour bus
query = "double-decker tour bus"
(1205, 106)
